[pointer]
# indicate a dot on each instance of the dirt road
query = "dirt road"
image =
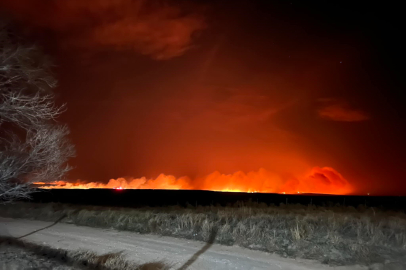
(181, 254)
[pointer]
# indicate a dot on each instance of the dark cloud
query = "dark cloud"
(236, 110)
(337, 110)
(158, 30)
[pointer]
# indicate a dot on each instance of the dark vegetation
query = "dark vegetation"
(153, 198)
(18, 254)
(336, 235)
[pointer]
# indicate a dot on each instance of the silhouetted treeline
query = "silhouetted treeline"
(139, 198)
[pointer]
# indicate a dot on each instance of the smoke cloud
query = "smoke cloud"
(157, 30)
(319, 180)
(336, 110)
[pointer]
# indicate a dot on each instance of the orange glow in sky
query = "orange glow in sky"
(318, 180)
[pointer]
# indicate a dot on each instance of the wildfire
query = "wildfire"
(318, 180)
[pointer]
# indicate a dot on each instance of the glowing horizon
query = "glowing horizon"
(318, 180)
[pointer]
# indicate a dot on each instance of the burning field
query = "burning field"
(318, 180)
(238, 119)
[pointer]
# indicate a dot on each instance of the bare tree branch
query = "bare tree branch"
(33, 146)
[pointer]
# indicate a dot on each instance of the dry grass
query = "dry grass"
(334, 235)
(80, 259)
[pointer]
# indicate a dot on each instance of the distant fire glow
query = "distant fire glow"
(318, 180)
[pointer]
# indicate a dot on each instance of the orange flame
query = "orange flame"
(318, 180)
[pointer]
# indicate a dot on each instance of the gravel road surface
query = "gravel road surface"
(181, 254)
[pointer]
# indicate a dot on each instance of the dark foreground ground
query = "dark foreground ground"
(153, 198)
(16, 254)
(336, 235)
(18, 258)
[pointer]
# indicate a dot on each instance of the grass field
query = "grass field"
(17, 254)
(334, 235)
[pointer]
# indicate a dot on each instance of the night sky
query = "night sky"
(193, 87)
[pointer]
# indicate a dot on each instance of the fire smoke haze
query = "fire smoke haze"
(267, 96)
